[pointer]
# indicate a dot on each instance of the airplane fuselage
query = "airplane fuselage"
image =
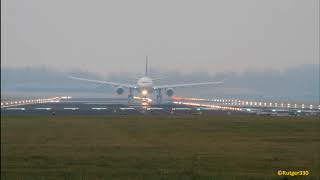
(145, 85)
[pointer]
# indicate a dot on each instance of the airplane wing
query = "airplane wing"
(104, 82)
(173, 86)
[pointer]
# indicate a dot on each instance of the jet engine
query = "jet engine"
(120, 90)
(170, 92)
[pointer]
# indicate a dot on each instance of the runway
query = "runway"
(85, 106)
(120, 106)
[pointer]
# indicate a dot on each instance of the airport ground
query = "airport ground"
(119, 106)
(158, 146)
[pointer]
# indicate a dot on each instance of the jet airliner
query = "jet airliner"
(145, 86)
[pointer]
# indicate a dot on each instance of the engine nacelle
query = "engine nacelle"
(170, 92)
(120, 90)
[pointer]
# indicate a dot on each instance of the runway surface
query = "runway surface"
(116, 106)
(97, 107)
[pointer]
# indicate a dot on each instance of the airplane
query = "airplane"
(145, 86)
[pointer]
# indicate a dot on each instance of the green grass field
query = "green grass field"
(158, 147)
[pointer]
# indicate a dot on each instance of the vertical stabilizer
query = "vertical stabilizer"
(146, 73)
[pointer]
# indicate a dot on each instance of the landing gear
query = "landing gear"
(159, 97)
(130, 96)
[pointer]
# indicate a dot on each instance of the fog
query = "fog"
(265, 49)
(300, 83)
(188, 36)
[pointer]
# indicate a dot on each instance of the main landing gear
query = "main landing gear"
(159, 97)
(130, 96)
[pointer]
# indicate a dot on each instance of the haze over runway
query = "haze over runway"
(189, 36)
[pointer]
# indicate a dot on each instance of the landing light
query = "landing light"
(144, 104)
(144, 92)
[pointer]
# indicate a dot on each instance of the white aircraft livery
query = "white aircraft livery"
(145, 86)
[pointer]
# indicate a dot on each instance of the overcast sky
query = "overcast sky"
(110, 36)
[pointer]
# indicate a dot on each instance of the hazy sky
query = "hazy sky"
(110, 36)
